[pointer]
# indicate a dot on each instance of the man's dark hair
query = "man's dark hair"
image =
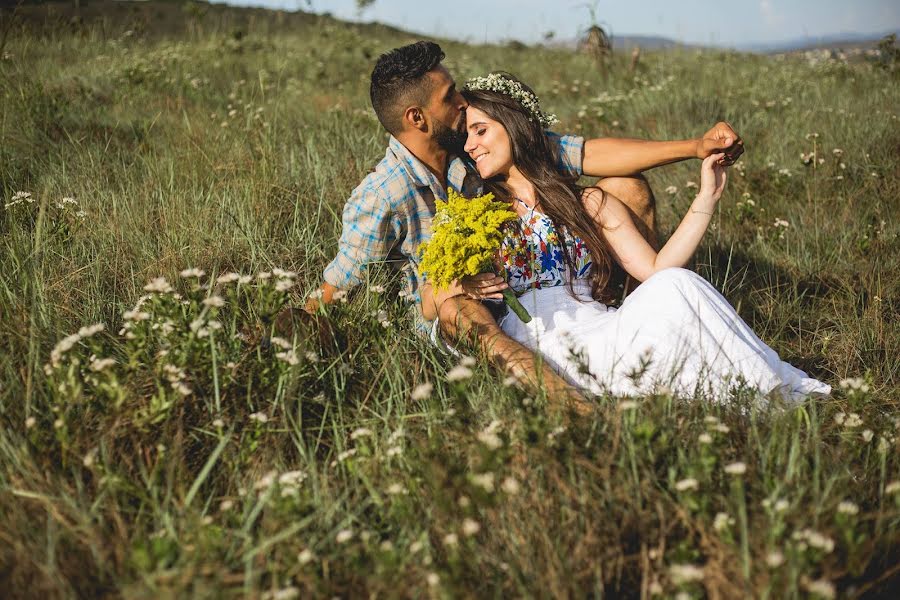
(398, 80)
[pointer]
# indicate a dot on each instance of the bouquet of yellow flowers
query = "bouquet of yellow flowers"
(466, 234)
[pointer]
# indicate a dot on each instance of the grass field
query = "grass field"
(169, 454)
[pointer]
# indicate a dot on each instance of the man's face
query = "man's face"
(447, 110)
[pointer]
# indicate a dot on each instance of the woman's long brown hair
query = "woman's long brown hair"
(557, 195)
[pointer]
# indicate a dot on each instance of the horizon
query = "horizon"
(753, 25)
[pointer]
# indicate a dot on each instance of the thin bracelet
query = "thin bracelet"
(702, 212)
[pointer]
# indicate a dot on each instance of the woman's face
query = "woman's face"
(487, 143)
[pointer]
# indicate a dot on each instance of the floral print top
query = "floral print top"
(532, 255)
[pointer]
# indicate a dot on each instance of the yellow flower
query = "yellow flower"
(466, 234)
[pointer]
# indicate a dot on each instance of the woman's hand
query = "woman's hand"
(483, 285)
(712, 178)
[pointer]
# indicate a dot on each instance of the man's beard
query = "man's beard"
(451, 140)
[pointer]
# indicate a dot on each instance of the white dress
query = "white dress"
(675, 332)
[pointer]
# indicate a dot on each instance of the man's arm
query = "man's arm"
(367, 235)
(611, 157)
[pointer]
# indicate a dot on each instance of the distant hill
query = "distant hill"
(168, 17)
(838, 40)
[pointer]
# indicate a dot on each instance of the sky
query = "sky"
(738, 23)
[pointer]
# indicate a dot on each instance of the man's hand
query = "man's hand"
(324, 295)
(483, 285)
(721, 138)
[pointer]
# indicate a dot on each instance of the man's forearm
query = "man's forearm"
(611, 157)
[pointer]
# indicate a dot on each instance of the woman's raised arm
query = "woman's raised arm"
(629, 247)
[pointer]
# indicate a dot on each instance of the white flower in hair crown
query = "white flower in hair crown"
(495, 82)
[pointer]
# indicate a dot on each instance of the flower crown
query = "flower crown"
(501, 84)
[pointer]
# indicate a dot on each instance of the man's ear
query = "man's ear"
(415, 118)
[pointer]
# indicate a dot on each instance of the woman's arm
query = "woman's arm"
(630, 248)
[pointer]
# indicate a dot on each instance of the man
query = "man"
(389, 214)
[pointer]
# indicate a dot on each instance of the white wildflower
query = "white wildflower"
(682, 574)
(854, 384)
(433, 579)
(214, 301)
(489, 439)
(867, 435)
(459, 373)
(283, 285)
(229, 277)
(395, 489)
(736, 468)
(288, 593)
(814, 539)
(671, 190)
(31, 422)
(135, 315)
(343, 536)
(394, 451)
(722, 522)
(101, 364)
(422, 391)
(627, 405)
(226, 505)
(451, 539)
(283, 274)
(360, 432)
(704, 438)
(774, 559)
(470, 527)
(280, 342)
(853, 420)
(819, 587)
(158, 285)
(484, 480)
(192, 272)
(266, 481)
(346, 454)
(510, 486)
(259, 417)
(305, 557)
(288, 356)
(891, 488)
(687, 484)
(848, 508)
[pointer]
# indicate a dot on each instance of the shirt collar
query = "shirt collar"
(461, 175)
(418, 172)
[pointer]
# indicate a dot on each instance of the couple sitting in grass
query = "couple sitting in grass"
(562, 249)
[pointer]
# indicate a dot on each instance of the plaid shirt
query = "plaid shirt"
(389, 214)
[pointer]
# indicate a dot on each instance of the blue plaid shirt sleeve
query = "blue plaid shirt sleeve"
(368, 234)
(571, 153)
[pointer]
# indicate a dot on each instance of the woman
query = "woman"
(674, 332)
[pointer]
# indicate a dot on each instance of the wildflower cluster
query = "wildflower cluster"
(466, 234)
(501, 84)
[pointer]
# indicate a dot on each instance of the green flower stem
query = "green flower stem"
(513, 303)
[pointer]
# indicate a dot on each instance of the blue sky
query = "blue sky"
(734, 23)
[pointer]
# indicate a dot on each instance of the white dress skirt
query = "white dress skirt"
(674, 333)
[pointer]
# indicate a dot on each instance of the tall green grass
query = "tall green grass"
(343, 474)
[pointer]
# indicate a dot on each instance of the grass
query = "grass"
(326, 468)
